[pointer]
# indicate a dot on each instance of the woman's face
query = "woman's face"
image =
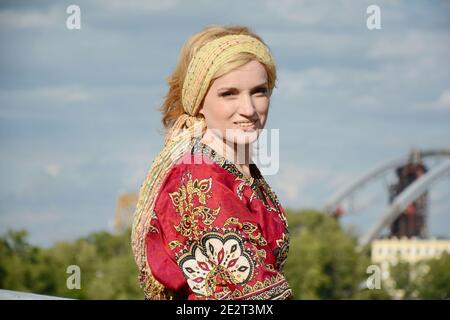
(237, 104)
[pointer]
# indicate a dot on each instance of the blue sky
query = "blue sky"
(78, 119)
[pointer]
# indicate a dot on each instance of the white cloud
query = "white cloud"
(310, 12)
(440, 191)
(297, 83)
(20, 19)
(412, 44)
(366, 101)
(55, 94)
(363, 202)
(317, 78)
(63, 94)
(301, 41)
(440, 104)
(413, 55)
(53, 169)
(136, 166)
(297, 184)
(444, 100)
(139, 5)
(291, 181)
(27, 217)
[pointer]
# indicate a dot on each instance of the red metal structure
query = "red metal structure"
(412, 221)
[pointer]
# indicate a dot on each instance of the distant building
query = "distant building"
(388, 252)
(126, 205)
(410, 250)
(412, 222)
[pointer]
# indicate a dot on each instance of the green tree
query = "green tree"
(323, 262)
(106, 263)
(435, 284)
(404, 275)
(17, 258)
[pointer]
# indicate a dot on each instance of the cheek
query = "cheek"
(262, 108)
(222, 108)
(218, 112)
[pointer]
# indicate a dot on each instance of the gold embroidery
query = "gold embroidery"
(259, 186)
(282, 241)
(257, 238)
(270, 267)
(183, 202)
(279, 289)
(233, 220)
(216, 260)
(261, 253)
(175, 243)
(208, 215)
(281, 252)
(153, 289)
(249, 228)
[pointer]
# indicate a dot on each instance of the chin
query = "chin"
(242, 137)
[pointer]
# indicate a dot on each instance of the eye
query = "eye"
(226, 94)
(262, 91)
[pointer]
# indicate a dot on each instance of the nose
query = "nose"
(246, 106)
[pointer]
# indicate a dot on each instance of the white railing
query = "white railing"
(17, 295)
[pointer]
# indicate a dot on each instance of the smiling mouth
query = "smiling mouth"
(245, 124)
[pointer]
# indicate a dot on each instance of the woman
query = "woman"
(207, 225)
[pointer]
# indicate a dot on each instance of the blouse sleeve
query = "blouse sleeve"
(205, 243)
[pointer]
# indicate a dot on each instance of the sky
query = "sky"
(78, 108)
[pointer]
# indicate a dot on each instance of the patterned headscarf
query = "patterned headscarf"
(202, 67)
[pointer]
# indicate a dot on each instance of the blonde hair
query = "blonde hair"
(172, 107)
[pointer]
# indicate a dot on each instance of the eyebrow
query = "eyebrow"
(233, 88)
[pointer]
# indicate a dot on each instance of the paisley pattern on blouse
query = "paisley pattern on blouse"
(218, 260)
(217, 234)
(257, 183)
(182, 200)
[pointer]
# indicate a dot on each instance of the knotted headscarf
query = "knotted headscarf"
(201, 70)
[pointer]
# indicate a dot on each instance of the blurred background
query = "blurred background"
(364, 119)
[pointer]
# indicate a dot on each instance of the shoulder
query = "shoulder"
(196, 167)
(195, 171)
(191, 184)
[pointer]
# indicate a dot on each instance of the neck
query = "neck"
(238, 154)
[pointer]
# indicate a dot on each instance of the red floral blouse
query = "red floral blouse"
(217, 234)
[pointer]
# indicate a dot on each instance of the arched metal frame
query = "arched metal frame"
(408, 195)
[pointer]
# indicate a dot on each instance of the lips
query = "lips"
(246, 125)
